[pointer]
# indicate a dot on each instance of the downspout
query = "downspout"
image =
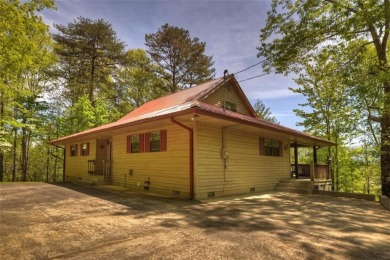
(191, 131)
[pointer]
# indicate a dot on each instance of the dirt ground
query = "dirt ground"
(65, 221)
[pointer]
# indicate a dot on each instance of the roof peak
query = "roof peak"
(174, 99)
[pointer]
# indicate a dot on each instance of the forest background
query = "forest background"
(52, 85)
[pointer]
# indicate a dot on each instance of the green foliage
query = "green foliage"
(182, 59)
(82, 115)
(25, 55)
(138, 81)
(359, 169)
(89, 52)
(342, 47)
(264, 112)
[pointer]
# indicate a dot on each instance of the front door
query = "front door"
(104, 159)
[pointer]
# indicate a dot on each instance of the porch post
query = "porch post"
(296, 159)
(315, 155)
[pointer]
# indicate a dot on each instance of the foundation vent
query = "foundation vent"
(176, 193)
(252, 189)
(146, 187)
(211, 194)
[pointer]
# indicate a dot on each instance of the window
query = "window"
(229, 106)
(148, 142)
(155, 138)
(84, 149)
(135, 143)
(270, 147)
(73, 150)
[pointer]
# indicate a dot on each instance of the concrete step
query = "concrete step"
(295, 186)
(292, 190)
(288, 184)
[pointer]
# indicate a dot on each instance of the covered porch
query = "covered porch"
(320, 174)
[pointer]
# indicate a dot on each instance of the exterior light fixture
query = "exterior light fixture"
(195, 117)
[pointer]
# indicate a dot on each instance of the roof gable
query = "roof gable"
(230, 92)
(197, 93)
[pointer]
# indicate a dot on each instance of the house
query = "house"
(201, 142)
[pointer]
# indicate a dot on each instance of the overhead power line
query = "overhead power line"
(258, 76)
(249, 67)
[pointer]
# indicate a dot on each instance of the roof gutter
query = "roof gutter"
(191, 132)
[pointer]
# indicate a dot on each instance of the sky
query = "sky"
(230, 29)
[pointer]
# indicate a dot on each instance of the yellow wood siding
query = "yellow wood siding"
(76, 167)
(246, 169)
(167, 171)
(217, 97)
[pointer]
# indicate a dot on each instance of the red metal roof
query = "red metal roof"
(187, 101)
(174, 99)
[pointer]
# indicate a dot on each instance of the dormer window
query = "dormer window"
(230, 106)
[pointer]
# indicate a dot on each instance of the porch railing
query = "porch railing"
(303, 170)
(321, 171)
(101, 167)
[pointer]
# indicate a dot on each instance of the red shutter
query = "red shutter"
(147, 142)
(261, 145)
(163, 140)
(141, 143)
(128, 144)
(280, 148)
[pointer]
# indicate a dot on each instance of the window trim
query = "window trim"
(75, 149)
(228, 105)
(153, 146)
(82, 151)
(266, 152)
(145, 142)
(141, 143)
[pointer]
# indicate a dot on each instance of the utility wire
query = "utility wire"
(258, 76)
(249, 67)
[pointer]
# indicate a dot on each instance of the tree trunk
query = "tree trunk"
(47, 163)
(14, 156)
(23, 157)
(1, 166)
(385, 142)
(1, 128)
(26, 134)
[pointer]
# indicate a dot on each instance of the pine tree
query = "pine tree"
(181, 57)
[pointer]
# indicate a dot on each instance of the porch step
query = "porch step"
(295, 186)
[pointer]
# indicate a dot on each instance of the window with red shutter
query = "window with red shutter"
(261, 145)
(147, 142)
(155, 141)
(128, 144)
(141, 143)
(163, 140)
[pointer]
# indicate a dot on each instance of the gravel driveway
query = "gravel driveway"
(65, 221)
